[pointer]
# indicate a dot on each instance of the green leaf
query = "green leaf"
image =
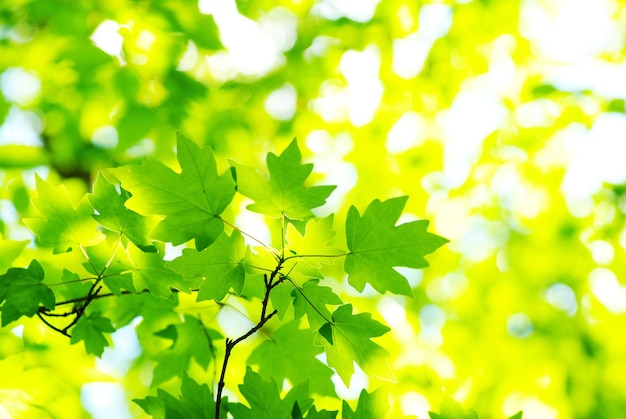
(114, 216)
(351, 342)
(190, 339)
(370, 405)
(150, 273)
(312, 300)
(451, 409)
(263, 396)
(21, 292)
(377, 245)
(313, 413)
(62, 226)
(191, 200)
(90, 329)
(218, 268)
(308, 252)
(195, 401)
(284, 193)
(291, 354)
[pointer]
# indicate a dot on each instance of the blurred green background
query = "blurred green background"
(503, 120)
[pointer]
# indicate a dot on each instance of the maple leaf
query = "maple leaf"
(220, 266)
(195, 401)
(62, 225)
(370, 405)
(313, 413)
(291, 354)
(90, 329)
(348, 339)
(311, 300)
(284, 193)
(21, 292)
(150, 273)
(189, 339)
(314, 243)
(191, 200)
(113, 214)
(377, 245)
(263, 396)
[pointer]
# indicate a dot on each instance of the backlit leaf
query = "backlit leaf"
(218, 268)
(284, 192)
(377, 245)
(62, 226)
(191, 200)
(351, 342)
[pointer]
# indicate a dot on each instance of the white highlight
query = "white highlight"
(364, 86)
(281, 103)
(410, 53)
(607, 289)
(105, 137)
(105, 400)
(562, 297)
(358, 11)
(20, 86)
(252, 48)
(406, 133)
(107, 37)
(21, 127)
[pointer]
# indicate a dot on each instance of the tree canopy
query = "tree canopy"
(312, 156)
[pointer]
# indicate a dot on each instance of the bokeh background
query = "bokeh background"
(503, 120)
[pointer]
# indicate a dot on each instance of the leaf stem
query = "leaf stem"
(234, 227)
(316, 256)
(301, 291)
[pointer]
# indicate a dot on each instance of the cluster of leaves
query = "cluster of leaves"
(120, 233)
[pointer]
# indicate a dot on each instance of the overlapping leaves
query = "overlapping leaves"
(121, 230)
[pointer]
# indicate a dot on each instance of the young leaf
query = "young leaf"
(291, 354)
(284, 193)
(196, 401)
(377, 245)
(150, 273)
(114, 216)
(219, 266)
(311, 299)
(315, 242)
(263, 396)
(370, 405)
(62, 226)
(91, 328)
(191, 200)
(21, 291)
(189, 340)
(350, 341)
(313, 413)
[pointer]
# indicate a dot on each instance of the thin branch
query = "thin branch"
(270, 283)
(53, 327)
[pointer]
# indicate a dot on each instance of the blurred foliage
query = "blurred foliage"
(502, 120)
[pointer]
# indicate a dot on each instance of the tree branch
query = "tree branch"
(270, 284)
